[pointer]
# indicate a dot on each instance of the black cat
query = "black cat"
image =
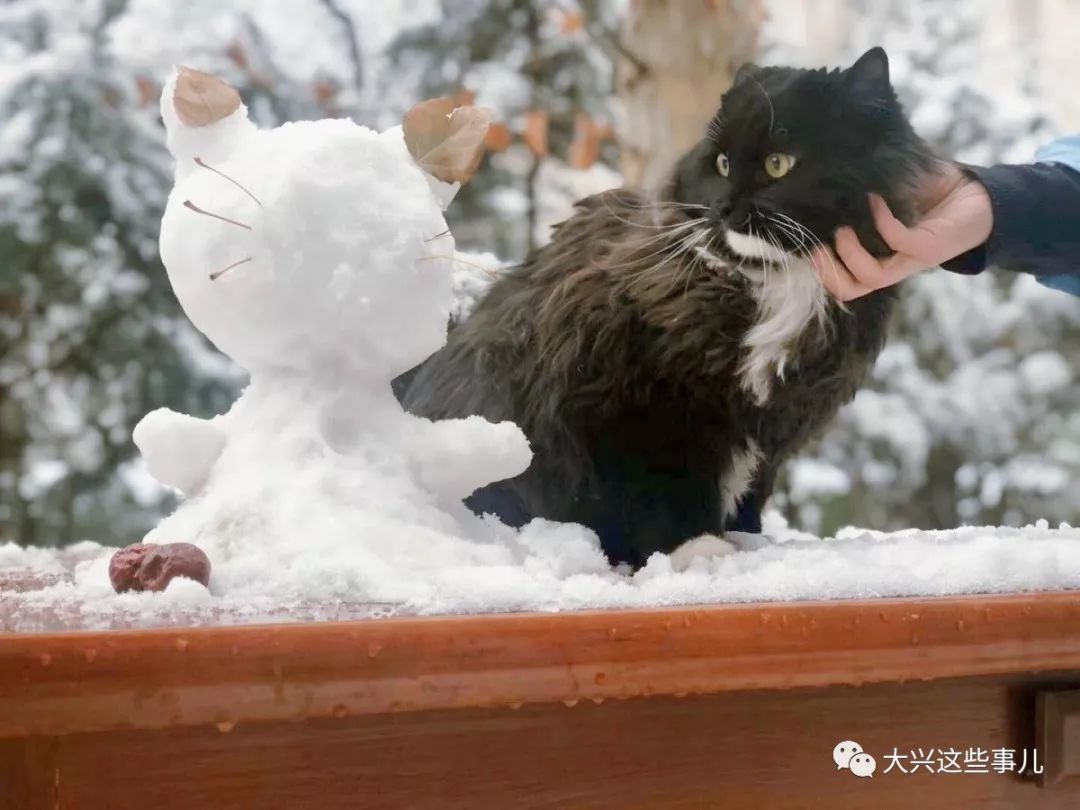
(665, 356)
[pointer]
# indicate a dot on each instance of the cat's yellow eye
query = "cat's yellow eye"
(778, 164)
(722, 165)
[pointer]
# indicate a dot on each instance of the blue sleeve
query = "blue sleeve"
(1067, 152)
(1063, 150)
(1036, 217)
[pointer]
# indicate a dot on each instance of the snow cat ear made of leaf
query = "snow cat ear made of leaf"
(445, 140)
(201, 99)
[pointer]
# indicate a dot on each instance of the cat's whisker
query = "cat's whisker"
(697, 260)
(667, 253)
(794, 225)
(695, 263)
(795, 235)
(656, 209)
(806, 234)
(689, 242)
(772, 111)
(796, 232)
(685, 245)
(663, 253)
(806, 239)
(813, 240)
(236, 183)
(785, 258)
(457, 260)
(651, 204)
(219, 273)
(809, 235)
(671, 244)
(637, 224)
(764, 266)
(674, 231)
(189, 204)
(437, 236)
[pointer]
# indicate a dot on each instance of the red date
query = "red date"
(151, 567)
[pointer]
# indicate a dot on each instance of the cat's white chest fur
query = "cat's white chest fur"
(790, 298)
(788, 303)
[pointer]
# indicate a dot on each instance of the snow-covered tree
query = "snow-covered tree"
(90, 334)
(546, 70)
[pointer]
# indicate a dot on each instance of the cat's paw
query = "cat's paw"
(704, 547)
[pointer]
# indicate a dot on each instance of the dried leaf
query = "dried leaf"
(237, 55)
(464, 97)
(447, 141)
(585, 147)
(426, 125)
(148, 90)
(325, 91)
(571, 21)
(498, 138)
(535, 133)
(201, 99)
(112, 98)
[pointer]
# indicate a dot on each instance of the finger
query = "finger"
(944, 178)
(869, 271)
(865, 268)
(895, 233)
(898, 236)
(835, 277)
(900, 266)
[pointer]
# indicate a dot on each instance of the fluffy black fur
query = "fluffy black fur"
(847, 131)
(617, 348)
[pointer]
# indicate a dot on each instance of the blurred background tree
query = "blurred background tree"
(546, 68)
(672, 57)
(90, 334)
(969, 417)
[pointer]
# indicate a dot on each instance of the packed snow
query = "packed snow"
(544, 568)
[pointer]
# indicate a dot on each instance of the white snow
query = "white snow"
(545, 568)
(473, 274)
(1045, 372)
(810, 477)
(316, 468)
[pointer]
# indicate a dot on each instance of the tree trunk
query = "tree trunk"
(679, 58)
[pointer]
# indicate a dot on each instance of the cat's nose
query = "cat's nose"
(733, 214)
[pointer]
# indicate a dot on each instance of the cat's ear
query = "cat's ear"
(747, 70)
(869, 76)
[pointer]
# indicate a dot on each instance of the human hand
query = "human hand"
(957, 217)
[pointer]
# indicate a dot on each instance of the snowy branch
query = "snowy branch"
(352, 41)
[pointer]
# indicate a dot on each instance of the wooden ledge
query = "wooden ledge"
(53, 684)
